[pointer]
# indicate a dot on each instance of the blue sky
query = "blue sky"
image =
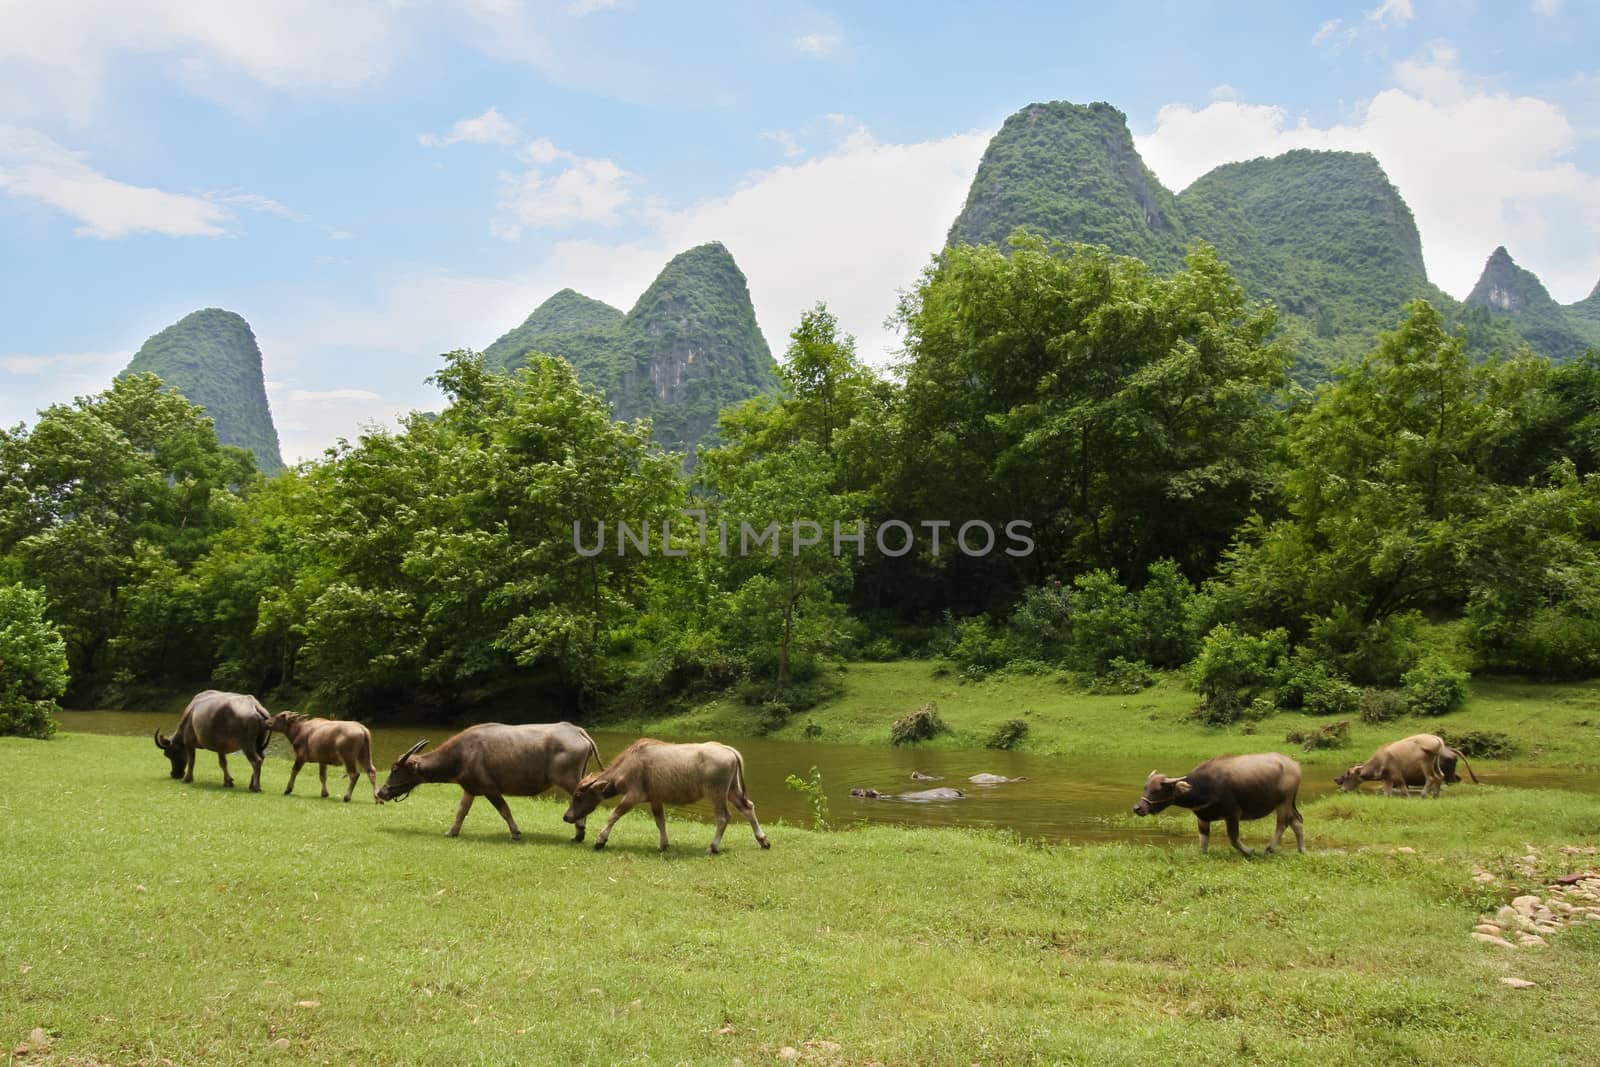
(376, 183)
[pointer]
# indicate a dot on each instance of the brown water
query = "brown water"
(1064, 798)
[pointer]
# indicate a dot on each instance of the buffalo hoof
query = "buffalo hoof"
(516, 837)
(713, 850)
(188, 779)
(577, 837)
(598, 845)
(452, 833)
(347, 800)
(765, 843)
(286, 792)
(228, 784)
(324, 794)
(255, 789)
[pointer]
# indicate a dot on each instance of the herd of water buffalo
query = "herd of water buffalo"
(497, 761)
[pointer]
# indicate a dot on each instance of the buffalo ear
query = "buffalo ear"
(605, 787)
(1182, 786)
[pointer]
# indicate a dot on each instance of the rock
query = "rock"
(281, 1043)
(1506, 915)
(1544, 915)
(1529, 861)
(1561, 907)
(1518, 983)
(308, 1003)
(39, 1037)
(1526, 905)
(1488, 928)
(1490, 939)
(1407, 850)
(788, 1052)
(1531, 941)
(726, 1030)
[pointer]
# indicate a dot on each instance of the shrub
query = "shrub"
(1381, 706)
(1314, 686)
(812, 730)
(1433, 687)
(1328, 735)
(921, 725)
(880, 650)
(1162, 610)
(1375, 653)
(1041, 625)
(1123, 676)
(1234, 669)
(811, 787)
(1008, 734)
(972, 647)
(1484, 744)
(33, 664)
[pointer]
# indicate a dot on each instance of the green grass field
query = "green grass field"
(150, 922)
(1553, 725)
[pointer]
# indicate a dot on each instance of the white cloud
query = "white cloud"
(491, 127)
(786, 141)
(580, 8)
(1479, 168)
(815, 44)
(1547, 7)
(331, 396)
(1392, 13)
(582, 190)
(34, 167)
(1334, 34)
(29, 383)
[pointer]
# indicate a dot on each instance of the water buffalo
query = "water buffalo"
(918, 776)
(325, 741)
(921, 795)
(1416, 760)
(656, 773)
(497, 761)
(993, 779)
(223, 723)
(1232, 788)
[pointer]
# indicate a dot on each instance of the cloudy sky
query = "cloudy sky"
(375, 182)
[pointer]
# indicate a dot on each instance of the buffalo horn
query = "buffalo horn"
(414, 749)
(160, 741)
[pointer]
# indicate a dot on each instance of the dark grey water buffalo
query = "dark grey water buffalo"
(223, 723)
(941, 793)
(497, 761)
(325, 741)
(918, 776)
(1233, 789)
(1416, 760)
(657, 773)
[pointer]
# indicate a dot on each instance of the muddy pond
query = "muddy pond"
(1063, 799)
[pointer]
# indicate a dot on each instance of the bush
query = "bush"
(880, 650)
(972, 647)
(812, 730)
(33, 664)
(1008, 734)
(1318, 689)
(921, 725)
(1433, 687)
(1484, 744)
(1375, 653)
(1329, 735)
(1381, 705)
(1234, 669)
(1123, 676)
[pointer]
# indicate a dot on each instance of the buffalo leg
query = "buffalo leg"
(372, 775)
(622, 808)
(255, 773)
(461, 813)
(719, 802)
(1277, 832)
(1205, 834)
(188, 768)
(1233, 836)
(294, 772)
(1298, 825)
(322, 773)
(748, 807)
(661, 823)
(504, 809)
(355, 780)
(227, 779)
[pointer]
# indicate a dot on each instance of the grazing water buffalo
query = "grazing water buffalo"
(497, 761)
(1232, 788)
(325, 741)
(656, 773)
(1416, 760)
(223, 723)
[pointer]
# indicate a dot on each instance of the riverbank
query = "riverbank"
(1556, 725)
(149, 921)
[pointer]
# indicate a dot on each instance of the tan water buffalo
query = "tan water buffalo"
(223, 723)
(497, 761)
(1415, 760)
(325, 741)
(656, 773)
(1233, 789)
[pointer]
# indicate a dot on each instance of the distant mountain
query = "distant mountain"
(1515, 295)
(211, 357)
(1323, 235)
(689, 347)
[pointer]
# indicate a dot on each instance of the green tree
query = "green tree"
(33, 664)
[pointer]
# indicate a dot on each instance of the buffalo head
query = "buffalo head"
(175, 753)
(587, 795)
(1160, 792)
(1350, 779)
(281, 721)
(404, 776)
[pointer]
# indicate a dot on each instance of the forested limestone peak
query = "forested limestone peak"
(1504, 286)
(567, 311)
(211, 357)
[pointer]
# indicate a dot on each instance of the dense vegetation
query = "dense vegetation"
(1181, 505)
(211, 357)
(689, 347)
(1322, 235)
(1515, 296)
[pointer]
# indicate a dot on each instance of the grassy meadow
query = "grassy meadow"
(1552, 725)
(150, 922)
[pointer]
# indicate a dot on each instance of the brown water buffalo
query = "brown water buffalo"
(325, 741)
(223, 723)
(497, 761)
(1415, 760)
(656, 773)
(1233, 789)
